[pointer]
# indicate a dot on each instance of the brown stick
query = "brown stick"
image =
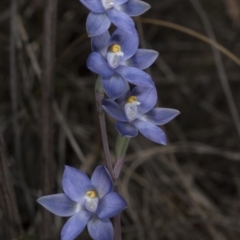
(8, 203)
(47, 102)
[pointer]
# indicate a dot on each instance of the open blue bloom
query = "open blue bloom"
(135, 113)
(103, 12)
(117, 59)
(89, 203)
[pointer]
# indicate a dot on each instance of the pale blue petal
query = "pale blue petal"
(128, 42)
(160, 116)
(102, 182)
(93, 5)
(98, 64)
(100, 229)
(101, 43)
(126, 129)
(134, 7)
(121, 20)
(59, 204)
(97, 23)
(143, 58)
(75, 225)
(124, 94)
(119, 2)
(147, 98)
(151, 131)
(111, 205)
(75, 184)
(114, 110)
(135, 76)
(114, 86)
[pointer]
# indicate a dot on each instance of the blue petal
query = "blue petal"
(151, 131)
(124, 94)
(97, 23)
(114, 110)
(100, 229)
(119, 2)
(126, 129)
(128, 42)
(160, 116)
(59, 204)
(121, 20)
(93, 5)
(102, 181)
(134, 7)
(114, 86)
(143, 58)
(111, 205)
(135, 76)
(98, 64)
(100, 43)
(75, 184)
(75, 225)
(147, 98)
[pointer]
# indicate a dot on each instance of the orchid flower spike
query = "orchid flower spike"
(118, 12)
(89, 203)
(135, 112)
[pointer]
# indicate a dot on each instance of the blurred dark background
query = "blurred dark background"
(187, 190)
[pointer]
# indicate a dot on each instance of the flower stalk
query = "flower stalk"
(117, 227)
(122, 144)
(99, 95)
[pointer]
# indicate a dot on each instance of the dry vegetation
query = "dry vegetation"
(187, 190)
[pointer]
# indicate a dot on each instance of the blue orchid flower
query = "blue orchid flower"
(103, 12)
(135, 112)
(117, 59)
(89, 203)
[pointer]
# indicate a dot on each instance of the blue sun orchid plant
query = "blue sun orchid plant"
(89, 202)
(131, 99)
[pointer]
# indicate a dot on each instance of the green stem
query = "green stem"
(121, 149)
(99, 95)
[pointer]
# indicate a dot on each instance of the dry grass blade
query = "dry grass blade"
(193, 34)
(68, 133)
(196, 148)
